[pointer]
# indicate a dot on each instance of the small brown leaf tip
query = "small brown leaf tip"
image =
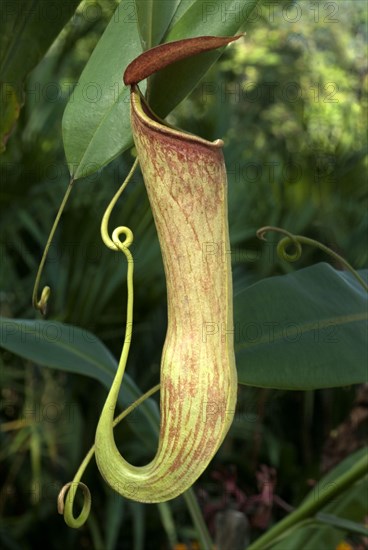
(161, 56)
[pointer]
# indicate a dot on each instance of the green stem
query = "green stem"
(41, 304)
(114, 243)
(198, 520)
(168, 523)
(311, 506)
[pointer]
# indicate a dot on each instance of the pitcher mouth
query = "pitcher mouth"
(142, 110)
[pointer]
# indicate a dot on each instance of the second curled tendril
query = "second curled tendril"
(283, 244)
(297, 241)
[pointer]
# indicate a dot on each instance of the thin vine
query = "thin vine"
(65, 507)
(41, 303)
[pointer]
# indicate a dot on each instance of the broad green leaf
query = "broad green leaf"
(71, 349)
(96, 122)
(154, 17)
(182, 8)
(218, 18)
(27, 30)
(304, 330)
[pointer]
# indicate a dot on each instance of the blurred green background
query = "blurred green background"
(290, 102)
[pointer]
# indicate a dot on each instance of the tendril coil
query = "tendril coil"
(68, 492)
(298, 241)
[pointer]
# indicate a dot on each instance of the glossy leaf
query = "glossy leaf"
(27, 30)
(154, 17)
(71, 349)
(96, 122)
(217, 18)
(304, 330)
(182, 8)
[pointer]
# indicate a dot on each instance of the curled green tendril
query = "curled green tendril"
(65, 506)
(114, 243)
(41, 304)
(297, 241)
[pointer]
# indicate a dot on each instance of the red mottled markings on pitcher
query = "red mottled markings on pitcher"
(186, 184)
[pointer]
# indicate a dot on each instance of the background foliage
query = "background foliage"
(290, 101)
